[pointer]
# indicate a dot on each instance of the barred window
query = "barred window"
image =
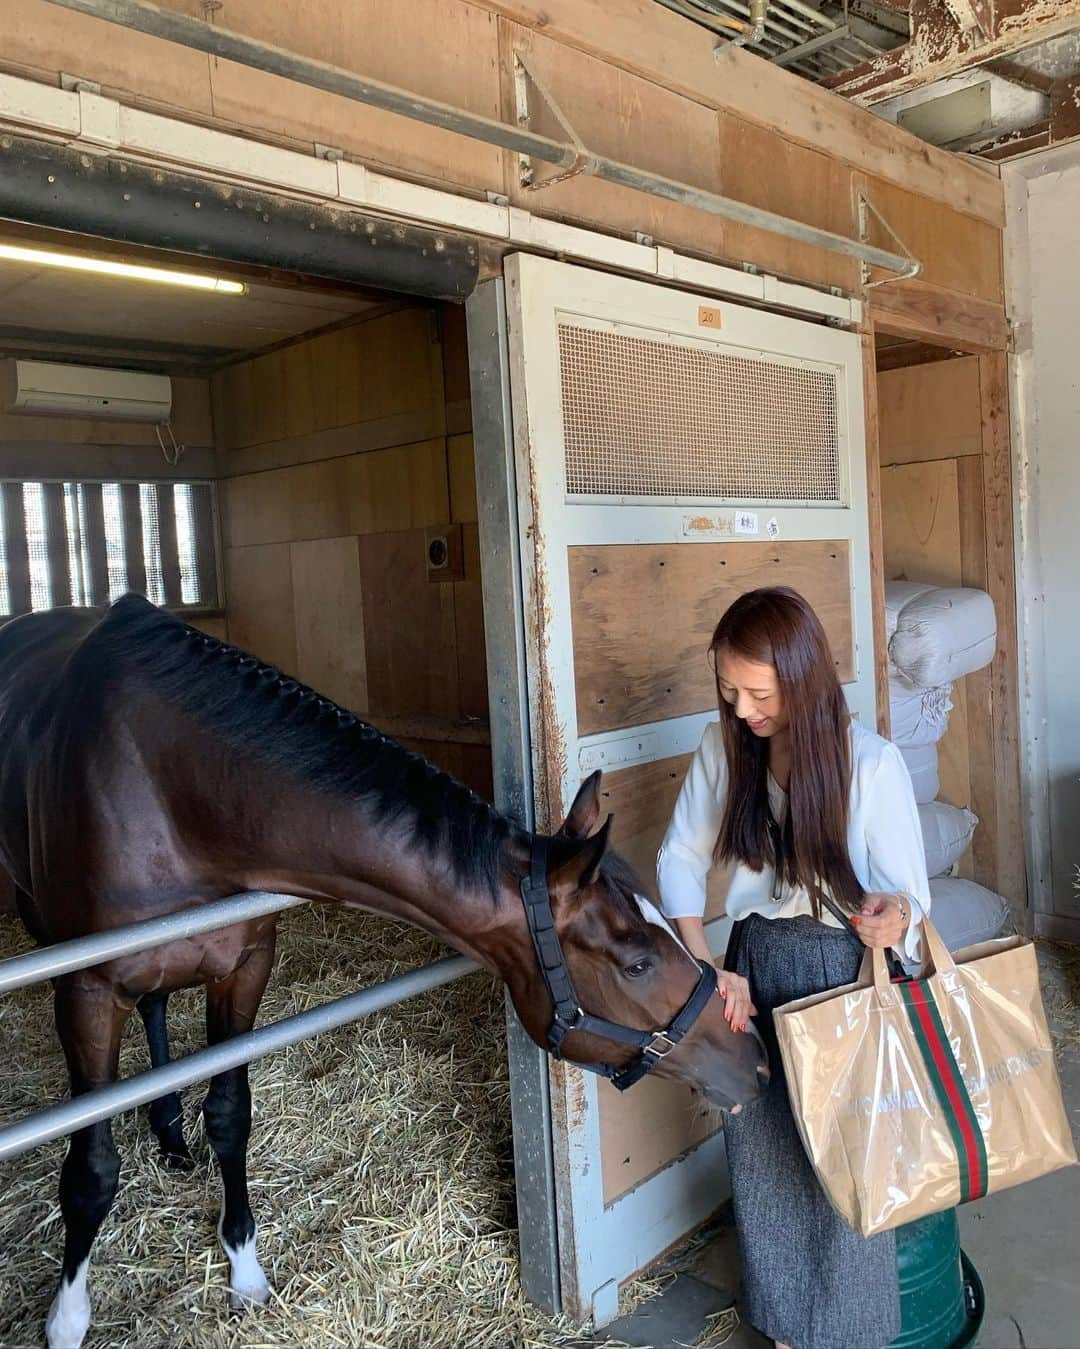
(89, 542)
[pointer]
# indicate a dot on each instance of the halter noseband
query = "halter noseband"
(652, 1045)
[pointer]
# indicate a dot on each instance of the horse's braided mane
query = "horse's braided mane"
(266, 714)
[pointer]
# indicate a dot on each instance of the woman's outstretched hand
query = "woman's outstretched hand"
(735, 991)
(880, 923)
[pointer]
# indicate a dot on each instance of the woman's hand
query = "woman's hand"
(735, 991)
(880, 923)
(732, 988)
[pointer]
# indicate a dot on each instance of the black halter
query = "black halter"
(568, 1016)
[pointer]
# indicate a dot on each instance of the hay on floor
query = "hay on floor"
(381, 1169)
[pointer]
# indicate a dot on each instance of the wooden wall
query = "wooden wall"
(340, 455)
(938, 458)
(637, 82)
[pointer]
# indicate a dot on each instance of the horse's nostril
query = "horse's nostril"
(763, 1072)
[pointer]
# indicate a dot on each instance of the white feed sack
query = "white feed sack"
(946, 833)
(919, 716)
(897, 594)
(922, 765)
(942, 635)
(965, 913)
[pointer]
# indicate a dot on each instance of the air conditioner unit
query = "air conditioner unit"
(50, 389)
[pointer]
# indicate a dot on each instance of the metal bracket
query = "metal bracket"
(866, 209)
(527, 118)
(331, 153)
(75, 84)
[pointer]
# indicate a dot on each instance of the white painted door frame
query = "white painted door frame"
(601, 1245)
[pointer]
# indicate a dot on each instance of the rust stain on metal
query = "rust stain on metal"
(553, 750)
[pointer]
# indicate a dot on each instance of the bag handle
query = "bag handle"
(889, 964)
(937, 959)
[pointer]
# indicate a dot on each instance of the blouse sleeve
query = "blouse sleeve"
(895, 847)
(686, 854)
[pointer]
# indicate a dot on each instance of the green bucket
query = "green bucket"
(941, 1297)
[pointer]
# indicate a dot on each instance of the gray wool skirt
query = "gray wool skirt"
(809, 1280)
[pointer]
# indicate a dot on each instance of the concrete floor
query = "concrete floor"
(1025, 1242)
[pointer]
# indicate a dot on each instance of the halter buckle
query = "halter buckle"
(660, 1045)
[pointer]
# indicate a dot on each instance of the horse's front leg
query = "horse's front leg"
(231, 1007)
(90, 1023)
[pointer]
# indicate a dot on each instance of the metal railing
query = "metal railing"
(227, 45)
(42, 1126)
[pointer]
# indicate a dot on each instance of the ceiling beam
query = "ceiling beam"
(941, 46)
(1062, 125)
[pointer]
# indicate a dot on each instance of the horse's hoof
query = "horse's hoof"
(257, 1296)
(69, 1316)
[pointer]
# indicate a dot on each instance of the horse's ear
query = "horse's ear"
(575, 863)
(585, 811)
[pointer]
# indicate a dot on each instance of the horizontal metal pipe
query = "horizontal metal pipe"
(752, 215)
(82, 952)
(230, 46)
(45, 1125)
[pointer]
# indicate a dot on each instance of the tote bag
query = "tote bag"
(917, 1095)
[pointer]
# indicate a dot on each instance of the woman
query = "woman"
(801, 802)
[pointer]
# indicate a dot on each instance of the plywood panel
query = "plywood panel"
(385, 367)
(623, 595)
(957, 251)
(329, 611)
(469, 631)
(215, 627)
(409, 629)
(922, 522)
(444, 49)
(664, 49)
(310, 501)
(629, 119)
(930, 411)
(401, 488)
(642, 798)
(664, 1122)
(53, 39)
(260, 600)
(462, 468)
(455, 353)
(758, 168)
(470, 764)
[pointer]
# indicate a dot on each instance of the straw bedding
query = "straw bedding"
(381, 1171)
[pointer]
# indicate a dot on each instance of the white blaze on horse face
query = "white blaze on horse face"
(69, 1316)
(247, 1282)
(652, 915)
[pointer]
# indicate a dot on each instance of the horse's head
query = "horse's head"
(627, 965)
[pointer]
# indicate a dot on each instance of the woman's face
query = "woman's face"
(753, 692)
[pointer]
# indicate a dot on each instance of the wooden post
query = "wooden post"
(877, 536)
(1001, 584)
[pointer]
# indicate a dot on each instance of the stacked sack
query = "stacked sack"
(936, 636)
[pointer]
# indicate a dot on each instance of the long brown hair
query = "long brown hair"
(776, 626)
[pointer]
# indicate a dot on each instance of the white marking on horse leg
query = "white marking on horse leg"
(69, 1316)
(247, 1282)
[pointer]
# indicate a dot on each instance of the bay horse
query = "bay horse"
(146, 767)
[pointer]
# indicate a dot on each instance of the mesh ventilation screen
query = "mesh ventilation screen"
(651, 418)
(89, 542)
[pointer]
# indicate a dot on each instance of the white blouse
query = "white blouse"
(884, 839)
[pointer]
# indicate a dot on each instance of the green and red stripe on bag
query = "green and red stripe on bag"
(915, 1096)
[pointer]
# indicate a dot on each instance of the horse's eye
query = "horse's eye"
(638, 968)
